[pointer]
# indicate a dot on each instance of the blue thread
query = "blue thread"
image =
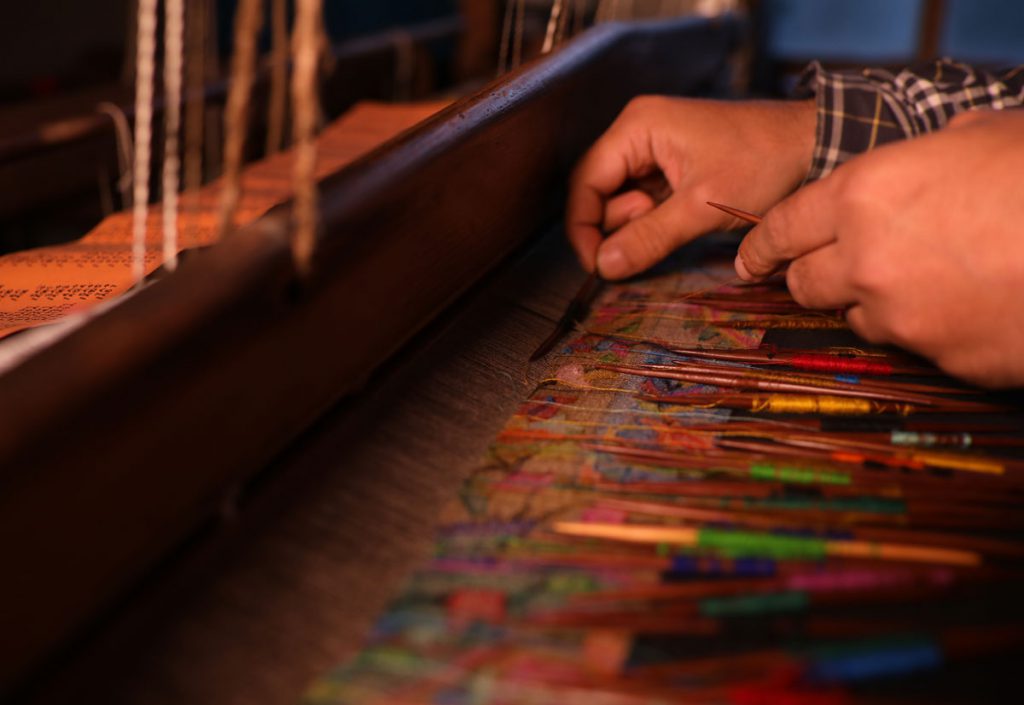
(887, 661)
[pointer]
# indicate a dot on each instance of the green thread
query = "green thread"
(795, 475)
(743, 605)
(746, 544)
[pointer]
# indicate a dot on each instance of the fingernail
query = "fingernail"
(611, 262)
(741, 269)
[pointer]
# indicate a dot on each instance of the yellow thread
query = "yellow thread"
(806, 404)
(958, 462)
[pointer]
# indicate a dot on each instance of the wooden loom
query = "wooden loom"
(169, 403)
(50, 152)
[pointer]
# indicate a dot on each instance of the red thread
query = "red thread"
(831, 363)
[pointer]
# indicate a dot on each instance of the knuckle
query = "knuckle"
(798, 281)
(907, 332)
(872, 271)
(758, 247)
(641, 106)
(861, 187)
(773, 233)
(700, 193)
(865, 326)
(910, 328)
(853, 178)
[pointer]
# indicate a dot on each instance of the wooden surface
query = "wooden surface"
(288, 587)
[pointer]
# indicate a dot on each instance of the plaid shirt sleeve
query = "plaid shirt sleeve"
(858, 110)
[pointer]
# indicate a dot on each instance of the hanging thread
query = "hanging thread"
(174, 52)
(305, 109)
(554, 19)
(145, 68)
(248, 20)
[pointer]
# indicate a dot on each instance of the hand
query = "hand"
(922, 240)
(649, 177)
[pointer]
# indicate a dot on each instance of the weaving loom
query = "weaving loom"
(204, 377)
(206, 406)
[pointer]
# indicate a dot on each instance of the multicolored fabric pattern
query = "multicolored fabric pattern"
(761, 578)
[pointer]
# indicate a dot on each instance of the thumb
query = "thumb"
(647, 240)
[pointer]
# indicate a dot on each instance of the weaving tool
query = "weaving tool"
(737, 213)
(574, 313)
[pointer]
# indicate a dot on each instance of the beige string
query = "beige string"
(174, 53)
(145, 67)
(248, 20)
(553, 21)
(305, 108)
(278, 104)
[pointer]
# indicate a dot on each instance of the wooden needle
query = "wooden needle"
(576, 311)
(736, 212)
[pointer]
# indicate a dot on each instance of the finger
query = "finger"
(797, 225)
(622, 209)
(648, 239)
(612, 160)
(865, 326)
(819, 279)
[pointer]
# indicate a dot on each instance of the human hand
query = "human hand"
(749, 154)
(921, 240)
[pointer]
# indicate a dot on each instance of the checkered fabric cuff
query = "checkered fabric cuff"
(858, 110)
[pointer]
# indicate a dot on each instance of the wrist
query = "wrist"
(798, 132)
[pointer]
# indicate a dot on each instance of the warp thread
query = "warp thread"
(174, 58)
(248, 20)
(144, 72)
(305, 109)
